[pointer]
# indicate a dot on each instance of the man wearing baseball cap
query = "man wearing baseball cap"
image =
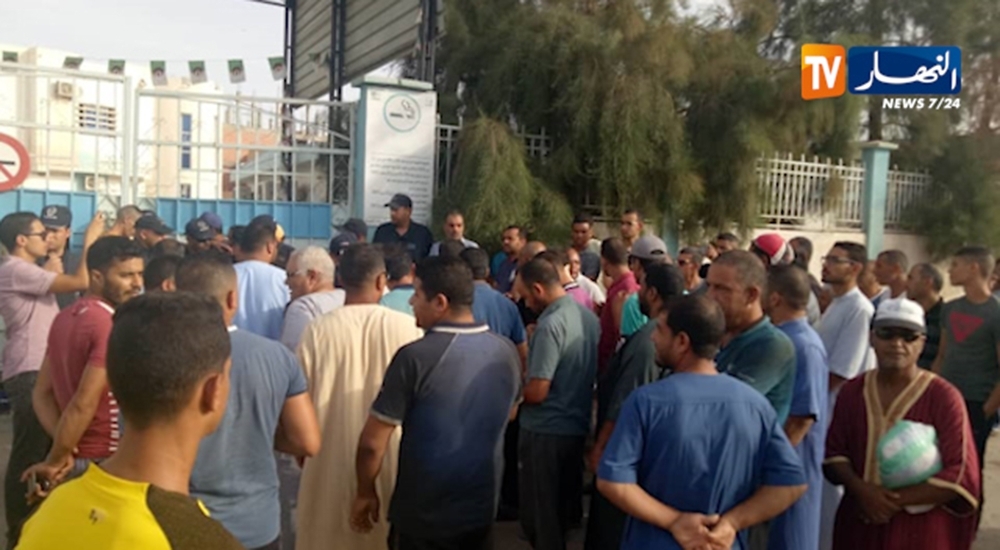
(338, 245)
(937, 513)
(773, 249)
(403, 230)
(150, 230)
(648, 250)
(213, 220)
(200, 235)
(58, 222)
(356, 227)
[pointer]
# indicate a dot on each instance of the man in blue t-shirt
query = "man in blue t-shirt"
(491, 307)
(697, 458)
(787, 299)
(262, 290)
(756, 352)
(235, 474)
(558, 398)
(453, 392)
(501, 314)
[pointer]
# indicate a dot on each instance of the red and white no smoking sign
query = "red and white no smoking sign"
(14, 163)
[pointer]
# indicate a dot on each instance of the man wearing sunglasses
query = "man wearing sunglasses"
(872, 516)
(28, 306)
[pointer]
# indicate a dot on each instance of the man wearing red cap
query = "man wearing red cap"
(773, 249)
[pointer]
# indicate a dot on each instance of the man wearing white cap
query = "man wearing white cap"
(646, 251)
(882, 508)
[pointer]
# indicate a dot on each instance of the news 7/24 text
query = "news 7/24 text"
(922, 103)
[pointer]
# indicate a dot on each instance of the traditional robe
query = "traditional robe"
(859, 424)
(345, 354)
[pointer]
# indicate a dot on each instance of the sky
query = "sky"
(175, 31)
(140, 31)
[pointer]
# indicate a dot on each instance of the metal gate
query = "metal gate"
(99, 141)
(75, 127)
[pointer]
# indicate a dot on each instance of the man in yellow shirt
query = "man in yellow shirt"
(168, 367)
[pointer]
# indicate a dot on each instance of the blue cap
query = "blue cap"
(213, 220)
(56, 216)
(199, 230)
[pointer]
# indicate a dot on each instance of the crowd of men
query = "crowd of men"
(230, 391)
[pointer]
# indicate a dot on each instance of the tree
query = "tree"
(963, 202)
(494, 188)
(644, 107)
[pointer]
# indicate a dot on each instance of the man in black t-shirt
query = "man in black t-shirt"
(403, 230)
(452, 392)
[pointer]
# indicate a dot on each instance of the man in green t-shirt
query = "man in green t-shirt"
(755, 351)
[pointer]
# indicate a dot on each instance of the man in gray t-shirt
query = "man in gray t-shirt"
(970, 342)
(235, 474)
(556, 414)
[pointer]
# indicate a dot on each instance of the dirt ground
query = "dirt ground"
(507, 533)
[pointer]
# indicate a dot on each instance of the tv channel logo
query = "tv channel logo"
(827, 71)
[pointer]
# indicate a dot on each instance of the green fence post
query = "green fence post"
(875, 157)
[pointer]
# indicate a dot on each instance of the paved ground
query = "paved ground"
(989, 534)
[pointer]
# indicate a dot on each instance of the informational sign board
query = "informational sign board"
(376, 32)
(396, 152)
(15, 164)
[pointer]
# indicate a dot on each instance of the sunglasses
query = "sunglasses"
(889, 333)
(42, 234)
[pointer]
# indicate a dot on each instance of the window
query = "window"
(185, 190)
(96, 117)
(185, 138)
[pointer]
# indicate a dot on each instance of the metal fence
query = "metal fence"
(904, 189)
(536, 146)
(99, 141)
(75, 128)
(825, 194)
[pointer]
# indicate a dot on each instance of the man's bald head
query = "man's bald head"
(530, 250)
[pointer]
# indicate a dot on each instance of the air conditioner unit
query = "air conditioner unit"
(65, 90)
(89, 183)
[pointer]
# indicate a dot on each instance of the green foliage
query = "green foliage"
(644, 108)
(963, 203)
(494, 188)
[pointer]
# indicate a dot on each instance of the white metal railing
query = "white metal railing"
(74, 125)
(804, 192)
(809, 192)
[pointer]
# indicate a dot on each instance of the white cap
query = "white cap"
(901, 313)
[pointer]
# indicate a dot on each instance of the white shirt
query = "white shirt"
(844, 329)
(592, 288)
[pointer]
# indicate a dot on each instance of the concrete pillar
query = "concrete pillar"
(875, 157)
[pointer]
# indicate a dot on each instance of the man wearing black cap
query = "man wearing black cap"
(150, 229)
(58, 221)
(199, 234)
(416, 237)
(356, 227)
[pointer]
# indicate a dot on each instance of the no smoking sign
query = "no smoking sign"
(14, 163)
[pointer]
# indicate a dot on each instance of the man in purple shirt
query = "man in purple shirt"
(28, 306)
